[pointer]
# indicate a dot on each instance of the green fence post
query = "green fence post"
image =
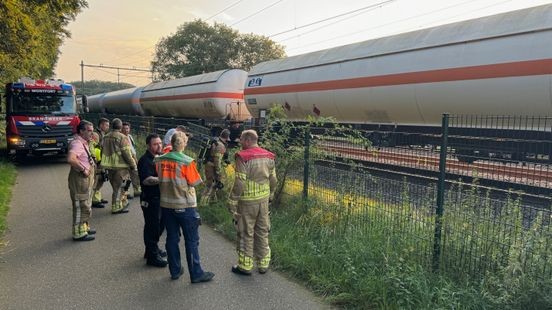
(440, 194)
(306, 165)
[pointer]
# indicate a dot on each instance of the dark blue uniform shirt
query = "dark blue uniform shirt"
(146, 168)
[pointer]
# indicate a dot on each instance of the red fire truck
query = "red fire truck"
(41, 117)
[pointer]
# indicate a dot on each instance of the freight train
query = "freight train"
(215, 95)
(495, 65)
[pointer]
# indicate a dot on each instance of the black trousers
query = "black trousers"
(153, 225)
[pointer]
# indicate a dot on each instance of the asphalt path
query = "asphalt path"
(42, 268)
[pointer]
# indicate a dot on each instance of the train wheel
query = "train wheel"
(375, 138)
(466, 156)
(465, 159)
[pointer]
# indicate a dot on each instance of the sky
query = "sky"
(123, 33)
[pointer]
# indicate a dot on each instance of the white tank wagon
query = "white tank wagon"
(497, 65)
(95, 103)
(124, 101)
(215, 95)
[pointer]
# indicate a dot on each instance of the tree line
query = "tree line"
(32, 32)
(94, 87)
(198, 48)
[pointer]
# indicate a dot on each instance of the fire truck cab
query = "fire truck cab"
(41, 117)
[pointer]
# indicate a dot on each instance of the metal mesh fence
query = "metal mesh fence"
(502, 151)
(496, 206)
(143, 125)
(496, 193)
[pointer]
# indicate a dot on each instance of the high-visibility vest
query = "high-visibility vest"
(254, 168)
(178, 175)
(116, 152)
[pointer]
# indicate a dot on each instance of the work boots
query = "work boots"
(156, 261)
(85, 238)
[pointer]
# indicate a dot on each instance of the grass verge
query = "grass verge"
(375, 268)
(7, 179)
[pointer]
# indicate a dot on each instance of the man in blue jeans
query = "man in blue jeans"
(177, 177)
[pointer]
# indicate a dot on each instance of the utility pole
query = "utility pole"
(82, 74)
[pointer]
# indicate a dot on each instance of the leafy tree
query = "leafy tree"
(31, 32)
(286, 139)
(94, 87)
(198, 48)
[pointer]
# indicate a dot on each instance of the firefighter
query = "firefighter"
(178, 176)
(235, 132)
(135, 179)
(248, 203)
(81, 181)
(213, 164)
(96, 151)
(117, 160)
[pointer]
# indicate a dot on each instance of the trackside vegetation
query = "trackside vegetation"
(7, 180)
(363, 241)
(364, 249)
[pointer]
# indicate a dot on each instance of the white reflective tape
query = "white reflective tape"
(26, 123)
(64, 122)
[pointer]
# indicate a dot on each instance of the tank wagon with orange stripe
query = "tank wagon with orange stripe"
(496, 65)
(125, 101)
(211, 96)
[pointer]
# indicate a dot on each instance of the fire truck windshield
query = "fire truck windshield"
(36, 103)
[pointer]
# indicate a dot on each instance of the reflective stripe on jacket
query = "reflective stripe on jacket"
(116, 152)
(95, 146)
(178, 175)
(255, 175)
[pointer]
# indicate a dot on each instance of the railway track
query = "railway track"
(532, 179)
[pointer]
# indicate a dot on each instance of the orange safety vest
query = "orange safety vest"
(177, 177)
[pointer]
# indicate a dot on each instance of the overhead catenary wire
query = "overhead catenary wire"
(259, 11)
(137, 76)
(153, 46)
(225, 9)
(330, 24)
(333, 17)
(371, 28)
(104, 71)
(119, 75)
(464, 13)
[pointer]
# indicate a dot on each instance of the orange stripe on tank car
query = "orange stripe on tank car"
(512, 69)
(225, 95)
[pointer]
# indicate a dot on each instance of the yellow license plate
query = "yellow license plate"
(48, 141)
